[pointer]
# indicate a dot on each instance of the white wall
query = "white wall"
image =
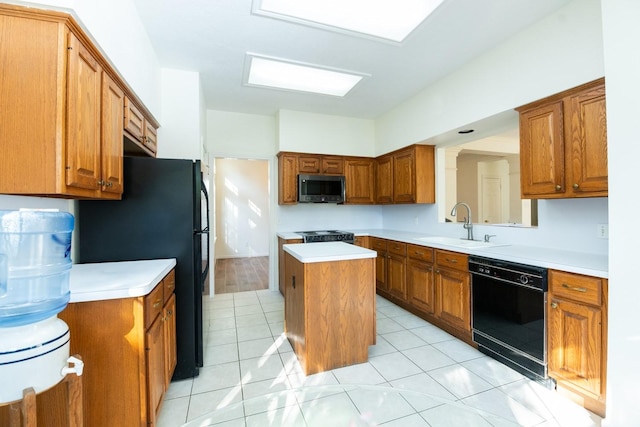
(241, 135)
(559, 52)
(325, 134)
(622, 65)
(115, 26)
(243, 211)
(180, 137)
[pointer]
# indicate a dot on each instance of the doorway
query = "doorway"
(242, 221)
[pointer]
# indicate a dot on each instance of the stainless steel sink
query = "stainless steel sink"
(459, 243)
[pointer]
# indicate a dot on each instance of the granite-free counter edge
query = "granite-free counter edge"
(327, 252)
(114, 280)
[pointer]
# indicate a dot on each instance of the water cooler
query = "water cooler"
(35, 263)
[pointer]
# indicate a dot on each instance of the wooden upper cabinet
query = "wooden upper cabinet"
(63, 107)
(112, 137)
(359, 173)
(140, 130)
(563, 144)
(384, 179)
(332, 165)
(287, 179)
(406, 176)
(309, 164)
(320, 165)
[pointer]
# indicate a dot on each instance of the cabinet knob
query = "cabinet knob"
(554, 304)
(558, 187)
(575, 186)
(101, 183)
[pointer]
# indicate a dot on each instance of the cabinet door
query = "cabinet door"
(575, 344)
(542, 151)
(420, 289)
(112, 135)
(170, 348)
(287, 179)
(404, 178)
(83, 117)
(588, 142)
(397, 276)
(133, 120)
(154, 346)
(381, 271)
(359, 181)
(309, 164)
(384, 180)
(453, 302)
(150, 137)
(332, 165)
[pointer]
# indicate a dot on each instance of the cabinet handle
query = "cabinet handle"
(574, 288)
(452, 261)
(554, 304)
(419, 253)
(293, 281)
(101, 183)
(575, 186)
(558, 187)
(157, 304)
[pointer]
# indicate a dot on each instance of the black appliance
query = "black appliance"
(508, 313)
(321, 189)
(163, 214)
(326, 236)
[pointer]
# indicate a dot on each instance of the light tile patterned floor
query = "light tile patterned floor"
(247, 355)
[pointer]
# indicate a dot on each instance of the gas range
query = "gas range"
(327, 236)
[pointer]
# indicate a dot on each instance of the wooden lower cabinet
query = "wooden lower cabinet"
(577, 337)
(330, 312)
(420, 280)
(127, 346)
(380, 246)
(397, 269)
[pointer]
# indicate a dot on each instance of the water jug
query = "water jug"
(35, 262)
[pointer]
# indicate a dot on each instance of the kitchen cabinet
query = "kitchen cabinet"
(287, 179)
(453, 290)
(577, 337)
(420, 278)
(563, 144)
(330, 312)
(384, 179)
(380, 246)
(397, 269)
(406, 176)
(128, 347)
(74, 149)
(281, 242)
(359, 180)
(139, 129)
(320, 165)
(362, 241)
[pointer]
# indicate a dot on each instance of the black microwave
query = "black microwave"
(320, 188)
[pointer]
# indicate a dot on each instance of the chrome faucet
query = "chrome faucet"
(468, 225)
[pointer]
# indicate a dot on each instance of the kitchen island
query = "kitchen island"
(330, 304)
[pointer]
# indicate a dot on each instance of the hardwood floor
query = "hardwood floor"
(241, 274)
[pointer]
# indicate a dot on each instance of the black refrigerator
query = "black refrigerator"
(163, 214)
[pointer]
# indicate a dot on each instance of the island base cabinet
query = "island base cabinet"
(330, 312)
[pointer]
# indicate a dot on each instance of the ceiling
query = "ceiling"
(213, 37)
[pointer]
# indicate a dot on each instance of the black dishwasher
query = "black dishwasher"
(508, 313)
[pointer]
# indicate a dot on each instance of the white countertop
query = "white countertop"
(327, 251)
(113, 280)
(589, 264)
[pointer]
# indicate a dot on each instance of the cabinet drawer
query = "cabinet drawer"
(453, 260)
(153, 304)
(397, 248)
(420, 252)
(585, 289)
(378, 244)
(169, 283)
(333, 165)
(308, 164)
(133, 120)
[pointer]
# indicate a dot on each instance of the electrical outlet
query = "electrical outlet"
(603, 231)
(415, 219)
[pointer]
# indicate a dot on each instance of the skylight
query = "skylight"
(288, 75)
(387, 19)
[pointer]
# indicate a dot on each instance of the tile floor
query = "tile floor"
(247, 355)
